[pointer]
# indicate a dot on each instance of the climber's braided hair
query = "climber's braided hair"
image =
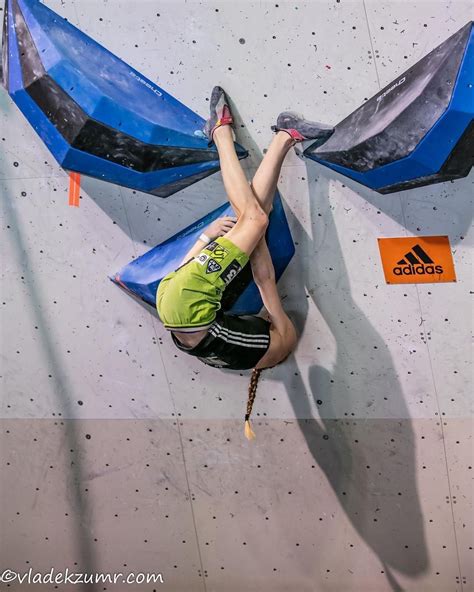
(251, 398)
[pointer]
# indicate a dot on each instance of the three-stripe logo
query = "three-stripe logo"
(417, 262)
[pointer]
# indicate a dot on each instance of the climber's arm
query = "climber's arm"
(218, 228)
(194, 250)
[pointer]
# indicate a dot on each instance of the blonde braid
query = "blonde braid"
(249, 433)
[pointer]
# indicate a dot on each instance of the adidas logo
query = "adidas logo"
(417, 262)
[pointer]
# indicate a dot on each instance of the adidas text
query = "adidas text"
(418, 270)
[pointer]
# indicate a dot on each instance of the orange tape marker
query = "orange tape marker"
(74, 189)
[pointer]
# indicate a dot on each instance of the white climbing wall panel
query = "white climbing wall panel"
(117, 454)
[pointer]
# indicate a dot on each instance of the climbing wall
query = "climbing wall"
(120, 456)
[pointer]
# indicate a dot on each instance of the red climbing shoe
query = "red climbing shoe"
(301, 129)
(220, 113)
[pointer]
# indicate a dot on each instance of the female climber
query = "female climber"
(189, 298)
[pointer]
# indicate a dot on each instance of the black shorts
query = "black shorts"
(233, 342)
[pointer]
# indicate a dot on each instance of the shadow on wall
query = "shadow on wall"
(369, 463)
(142, 217)
(149, 219)
(73, 472)
(442, 212)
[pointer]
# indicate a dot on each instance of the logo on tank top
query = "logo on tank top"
(214, 361)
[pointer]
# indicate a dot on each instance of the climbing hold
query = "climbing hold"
(142, 276)
(96, 114)
(416, 131)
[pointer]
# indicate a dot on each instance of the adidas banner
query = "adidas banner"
(417, 260)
